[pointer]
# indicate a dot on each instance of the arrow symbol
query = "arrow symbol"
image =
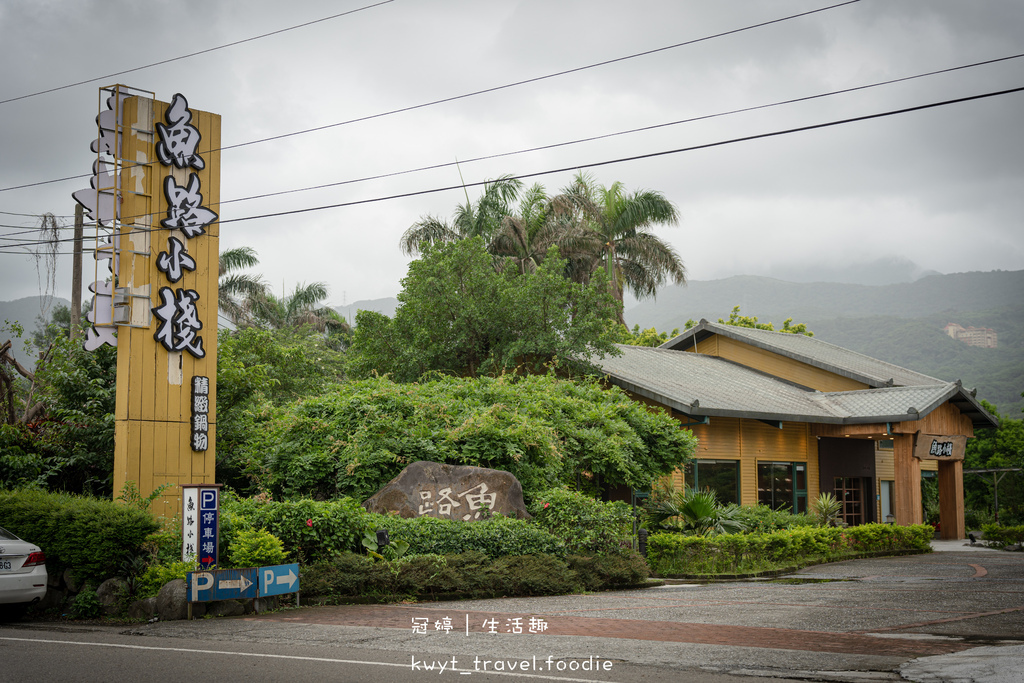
(288, 578)
(239, 584)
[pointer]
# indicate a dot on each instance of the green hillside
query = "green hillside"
(899, 323)
(920, 344)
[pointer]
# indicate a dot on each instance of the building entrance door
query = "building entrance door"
(850, 494)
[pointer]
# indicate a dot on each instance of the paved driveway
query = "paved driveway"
(824, 622)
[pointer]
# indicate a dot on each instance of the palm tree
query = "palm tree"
(235, 289)
(523, 239)
(611, 230)
(301, 308)
(481, 219)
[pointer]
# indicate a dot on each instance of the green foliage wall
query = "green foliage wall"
(543, 430)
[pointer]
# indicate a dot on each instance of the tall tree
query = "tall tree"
(459, 316)
(302, 307)
(234, 288)
(612, 231)
(480, 219)
(524, 238)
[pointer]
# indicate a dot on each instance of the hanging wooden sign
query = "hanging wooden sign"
(938, 447)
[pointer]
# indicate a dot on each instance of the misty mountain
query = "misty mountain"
(25, 312)
(899, 323)
(386, 306)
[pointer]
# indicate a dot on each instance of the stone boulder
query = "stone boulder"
(109, 593)
(450, 492)
(225, 608)
(172, 602)
(144, 609)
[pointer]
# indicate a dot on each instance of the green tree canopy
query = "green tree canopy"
(546, 431)
(737, 320)
(457, 315)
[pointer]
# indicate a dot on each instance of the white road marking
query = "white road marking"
(297, 657)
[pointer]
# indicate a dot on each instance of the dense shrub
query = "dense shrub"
(583, 524)
(545, 431)
(22, 462)
(256, 548)
(1002, 536)
(469, 574)
(670, 554)
(495, 537)
(611, 570)
(761, 519)
(310, 530)
(880, 537)
(91, 537)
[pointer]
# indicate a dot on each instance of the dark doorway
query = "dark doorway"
(846, 469)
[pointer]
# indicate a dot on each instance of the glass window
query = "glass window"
(782, 485)
(721, 476)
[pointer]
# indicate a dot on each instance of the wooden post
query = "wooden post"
(907, 505)
(951, 499)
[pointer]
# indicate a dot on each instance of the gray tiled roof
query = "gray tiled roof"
(820, 354)
(701, 385)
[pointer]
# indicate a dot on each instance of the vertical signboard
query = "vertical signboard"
(200, 524)
(154, 200)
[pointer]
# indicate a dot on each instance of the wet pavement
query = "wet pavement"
(956, 614)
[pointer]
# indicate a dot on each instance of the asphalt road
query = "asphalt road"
(939, 617)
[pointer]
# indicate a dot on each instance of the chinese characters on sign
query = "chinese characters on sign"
(492, 625)
(200, 413)
(179, 321)
(938, 447)
(199, 525)
(471, 503)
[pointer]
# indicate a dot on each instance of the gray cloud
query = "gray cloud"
(940, 187)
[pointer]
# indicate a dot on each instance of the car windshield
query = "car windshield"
(7, 535)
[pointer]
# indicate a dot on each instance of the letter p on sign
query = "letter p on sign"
(207, 582)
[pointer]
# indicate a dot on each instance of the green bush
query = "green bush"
(881, 537)
(91, 537)
(311, 530)
(470, 574)
(1002, 536)
(612, 570)
(495, 537)
(156, 575)
(583, 524)
(22, 464)
(87, 603)
(670, 554)
(761, 519)
(256, 548)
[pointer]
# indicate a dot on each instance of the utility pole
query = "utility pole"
(76, 274)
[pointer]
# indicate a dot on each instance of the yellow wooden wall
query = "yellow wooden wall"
(153, 415)
(751, 442)
(775, 365)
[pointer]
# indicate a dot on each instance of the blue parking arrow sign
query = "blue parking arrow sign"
(221, 584)
(279, 579)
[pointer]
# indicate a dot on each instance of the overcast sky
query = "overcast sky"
(943, 187)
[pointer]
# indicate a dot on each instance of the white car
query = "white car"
(22, 574)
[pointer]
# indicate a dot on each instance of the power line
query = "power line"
(193, 54)
(651, 155)
(556, 145)
(470, 94)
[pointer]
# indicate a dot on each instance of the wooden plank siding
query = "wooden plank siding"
(153, 412)
(775, 365)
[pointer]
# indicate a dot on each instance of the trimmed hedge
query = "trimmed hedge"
(92, 537)
(470, 574)
(1002, 536)
(495, 537)
(670, 554)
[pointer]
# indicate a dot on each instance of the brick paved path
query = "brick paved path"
(402, 616)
